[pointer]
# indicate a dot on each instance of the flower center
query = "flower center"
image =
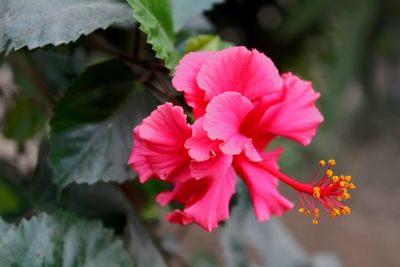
(327, 192)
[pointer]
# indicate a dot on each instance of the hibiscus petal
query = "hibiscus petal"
(137, 160)
(164, 134)
(200, 146)
(182, 192)
(215, 166)
(253, 125)
(185, 80)
(223, 119)
(297, 117)
(237, 69)
(179, 217)
(262, 187)
(207, 206)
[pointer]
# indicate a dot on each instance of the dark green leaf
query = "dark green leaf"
(102, 201)
(58, 67)
(81, 199)
(37, 23)
(62, 240)
(91, 130)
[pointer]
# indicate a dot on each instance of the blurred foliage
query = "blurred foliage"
(24, 119)
(14, 193)
(333, 43)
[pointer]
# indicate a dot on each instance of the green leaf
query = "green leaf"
(38, 23)
(62, 240)
(24, 119)
(79, 198)
(155, 20)
(58, 67)
(184, 10)
(161, 19)
(91, 130)
(101, 201)
(205, 42)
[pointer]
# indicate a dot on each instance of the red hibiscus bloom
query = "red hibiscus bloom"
(240, 103)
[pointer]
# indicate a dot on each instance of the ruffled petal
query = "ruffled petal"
(296, 117)
(208, 204)
(200, 146)
(262, 187)
(237, 69)
(182, 192)
(208, 159)
(137, 160)
(223, 120)
(185, 80)
(164, 134)
(215, 166)
(253, 125)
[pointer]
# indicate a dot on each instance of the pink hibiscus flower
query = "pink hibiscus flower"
(240, 103)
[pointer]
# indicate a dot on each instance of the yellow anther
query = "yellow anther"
(346, 210)
(322, 163)
(344, 184)
(346, 196)
(316, 212)
(335, 212)
(329, 173)
(347, 178)
(339, 198)
(308, 212)
(332, 162)
(316, 192)
(301, 210)
(352, 186)
(315, 221)
(316, 188)
(335, 179)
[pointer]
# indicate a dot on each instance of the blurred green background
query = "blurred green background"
(350, 50)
